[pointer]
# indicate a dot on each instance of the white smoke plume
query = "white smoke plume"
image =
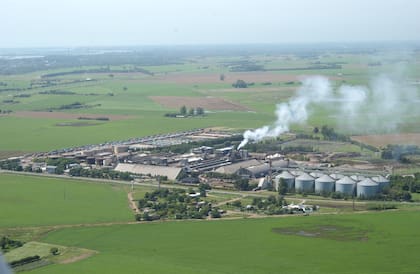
(314, 90)
(379, 107)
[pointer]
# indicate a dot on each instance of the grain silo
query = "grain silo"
(288, 178)
(324, 184)
(346, 186)
(304, 183)
(381, 181)
(367, 188)
(357, 178)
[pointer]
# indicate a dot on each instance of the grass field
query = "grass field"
(130, 94)
(361, 243)
(40, 201)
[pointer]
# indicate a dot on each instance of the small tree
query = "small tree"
(191, 112)
(54, 251)
(222, 77)
(282, 187)
(200, 111)
(183, 110)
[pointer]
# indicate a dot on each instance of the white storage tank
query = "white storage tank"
(324, 184)
(304, 183)
(346, 186)
(288, 178)
(381, 181)
(367, 188)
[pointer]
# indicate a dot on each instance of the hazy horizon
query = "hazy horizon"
(77, 23)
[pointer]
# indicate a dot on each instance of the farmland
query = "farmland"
(34, 201)
(135, 99)
(362, 243)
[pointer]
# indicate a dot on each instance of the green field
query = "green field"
(129, 94)
(362, 243)
(41, 201)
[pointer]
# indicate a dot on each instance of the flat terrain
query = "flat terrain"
(209, 103)
(66, 115)
(41, 201)
(361, 243)
(395, 139)
(136, 102)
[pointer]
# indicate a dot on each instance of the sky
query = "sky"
(71, 23)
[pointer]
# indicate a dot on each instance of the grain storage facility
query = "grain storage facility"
(324, 184)
(367, 188)
(346, 186)
(288, 178)
(304, 183)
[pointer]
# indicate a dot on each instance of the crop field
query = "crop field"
(383, 140)
(195, 82)
(40, 201)
(361, 243)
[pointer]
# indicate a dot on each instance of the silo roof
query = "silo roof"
(325, 178)
(367, 182)
(316, 174)
(286, 175)
(336, 176)
(346, 181)
(305, 177)
(358, 177)
(380, 179)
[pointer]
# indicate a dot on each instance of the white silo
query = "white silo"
(346, 186)
(288, 178)
(381, 181)
(304, 183)
(324, 184)
(367, 188)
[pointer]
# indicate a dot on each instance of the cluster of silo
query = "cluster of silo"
(322, 183)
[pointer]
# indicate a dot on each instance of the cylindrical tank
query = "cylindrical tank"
(304, 183)
(288, 178)
(346, 186)
(367, 188)
(381, 181)
(357, 178)
(324, 184)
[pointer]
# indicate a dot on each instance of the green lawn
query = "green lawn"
(40, 201)
(362, 243)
